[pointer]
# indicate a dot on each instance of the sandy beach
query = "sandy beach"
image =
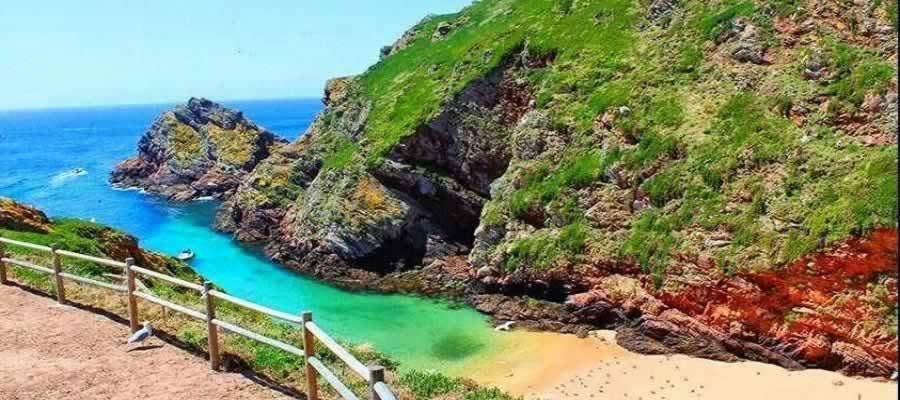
(553, 366)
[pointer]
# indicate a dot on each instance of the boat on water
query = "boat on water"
(185, 255)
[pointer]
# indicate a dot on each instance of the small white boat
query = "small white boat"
(185, 255)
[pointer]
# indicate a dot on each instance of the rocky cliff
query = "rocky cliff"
(715, 178)
(198, 149)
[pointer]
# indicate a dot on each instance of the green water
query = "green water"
(418, 332)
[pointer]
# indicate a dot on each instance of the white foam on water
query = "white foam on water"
(65, 176)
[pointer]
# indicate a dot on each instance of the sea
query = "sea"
(59, 160)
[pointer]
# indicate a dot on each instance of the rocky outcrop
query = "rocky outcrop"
(93, 239)
(19, 217)
(744, 43)
(198, 149)
(419, 204)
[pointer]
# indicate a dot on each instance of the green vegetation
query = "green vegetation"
(715, 21)
(858, 72)
(341, 154)
(542, 184)
(891, 7)
(708, 154)
(282, 367)
(85, 238)
(432, 385)
(544, 248)
(428, 385)
(411, 86)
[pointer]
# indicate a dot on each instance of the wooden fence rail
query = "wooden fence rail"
(373, 375)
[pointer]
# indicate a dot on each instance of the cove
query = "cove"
(42, 148)
(416, 331)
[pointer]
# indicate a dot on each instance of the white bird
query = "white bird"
(141, 334)
(505, 326)
(894, 376)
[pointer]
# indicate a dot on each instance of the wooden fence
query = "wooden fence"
(374, 375)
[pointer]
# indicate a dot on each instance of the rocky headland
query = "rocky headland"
(198, 149)
(711, 179)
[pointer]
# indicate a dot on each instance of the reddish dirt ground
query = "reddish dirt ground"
(48, 351)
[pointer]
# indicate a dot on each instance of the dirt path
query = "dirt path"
(48, 351)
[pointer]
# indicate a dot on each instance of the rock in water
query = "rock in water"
(198, 149)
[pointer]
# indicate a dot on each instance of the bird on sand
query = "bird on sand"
(142, 334)
(504, 327)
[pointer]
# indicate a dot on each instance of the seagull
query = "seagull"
(894, 375)
(141, 334)
(504, 327)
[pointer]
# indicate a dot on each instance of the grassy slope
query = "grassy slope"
(284, 368)
(708, 141)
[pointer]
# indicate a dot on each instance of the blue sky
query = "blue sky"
(102, 52)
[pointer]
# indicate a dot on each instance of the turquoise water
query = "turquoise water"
(40, 148)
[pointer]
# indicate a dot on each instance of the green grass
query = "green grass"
(857, 72)
(543, 184)
(866, 77)
(715, 21)
(411, 86)
(543, 249)
(829, 193)
(426, 385)
(341, 155)
(71, 235)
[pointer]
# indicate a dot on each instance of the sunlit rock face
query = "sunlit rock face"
(197, 149)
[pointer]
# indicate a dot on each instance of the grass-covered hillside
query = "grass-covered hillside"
(776, 162)
(599, 152)
(764, 127)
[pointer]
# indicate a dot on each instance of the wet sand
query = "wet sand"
(554, 366)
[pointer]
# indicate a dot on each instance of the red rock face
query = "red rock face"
(830, 309)
(21, 217)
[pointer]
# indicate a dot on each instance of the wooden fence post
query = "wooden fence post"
(132, 300)
(57, 268)
(2, 264)
(212, 329)
(376, 374)
(312, 388)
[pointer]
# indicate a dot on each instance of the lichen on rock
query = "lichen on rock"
(198, 149)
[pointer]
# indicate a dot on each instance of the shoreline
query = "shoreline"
(561, 366)
(434, 282)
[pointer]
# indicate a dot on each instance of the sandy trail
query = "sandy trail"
(552, 366)
(48, 351)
